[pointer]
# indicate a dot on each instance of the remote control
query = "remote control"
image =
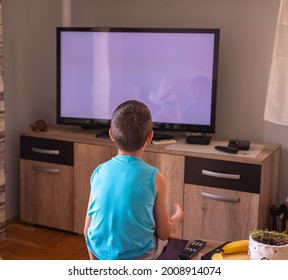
(218, 249)
(159, 137)
(230, 150)
(192, 249)
(167, 141)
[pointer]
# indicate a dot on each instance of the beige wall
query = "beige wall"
(29, 72)
(247, 33)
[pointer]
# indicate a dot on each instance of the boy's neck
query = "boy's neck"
(138, 153)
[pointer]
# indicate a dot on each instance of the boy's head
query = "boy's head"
(131, 125)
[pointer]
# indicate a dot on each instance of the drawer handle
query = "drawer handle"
(45, 151)
(220, 197)
(45, 169)
(221, 175)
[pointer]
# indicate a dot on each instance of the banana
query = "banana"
(236, 247)
(217, 256)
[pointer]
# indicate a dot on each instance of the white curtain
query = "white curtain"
(276, 108)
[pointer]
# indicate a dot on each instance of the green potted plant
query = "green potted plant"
(268, 245)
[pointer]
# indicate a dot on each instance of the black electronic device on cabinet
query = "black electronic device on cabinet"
(198, 139)
(240, 144)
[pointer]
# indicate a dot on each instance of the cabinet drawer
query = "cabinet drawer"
(47, 150)
(219, 219)
(223, 174)
(47, 194)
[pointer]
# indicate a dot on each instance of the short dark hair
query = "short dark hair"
(130, 125)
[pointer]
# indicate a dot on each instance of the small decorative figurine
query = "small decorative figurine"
(39, 126)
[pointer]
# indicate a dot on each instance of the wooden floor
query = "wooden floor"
(27, 242)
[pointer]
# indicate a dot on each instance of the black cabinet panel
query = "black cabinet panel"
(223, 174)
(47, 150)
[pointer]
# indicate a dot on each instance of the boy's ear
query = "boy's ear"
(111, 135)
(150, 137)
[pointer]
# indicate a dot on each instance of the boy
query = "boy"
(127, 216)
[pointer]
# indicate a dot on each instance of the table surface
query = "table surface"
(211, 244)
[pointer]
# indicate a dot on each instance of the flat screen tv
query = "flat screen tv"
(173, 71)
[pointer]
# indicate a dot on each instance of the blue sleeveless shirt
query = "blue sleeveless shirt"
(122, 218)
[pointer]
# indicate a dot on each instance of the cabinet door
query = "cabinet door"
(172, 167)
(218, 214)
(86, 159)
(47, 194)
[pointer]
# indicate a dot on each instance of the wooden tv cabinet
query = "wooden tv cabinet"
(223, 196)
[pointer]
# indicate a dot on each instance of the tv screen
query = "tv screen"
(173, 71)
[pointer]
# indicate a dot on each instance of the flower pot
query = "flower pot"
(260, 251)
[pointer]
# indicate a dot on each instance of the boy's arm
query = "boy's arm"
(87, 219)
(160, 208)
(86, 226)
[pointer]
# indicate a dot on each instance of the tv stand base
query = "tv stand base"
(199, 139)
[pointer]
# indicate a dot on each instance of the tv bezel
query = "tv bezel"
(87, 123)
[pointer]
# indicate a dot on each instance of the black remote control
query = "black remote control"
(218, 249)
(230, 150)
(192, 249)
